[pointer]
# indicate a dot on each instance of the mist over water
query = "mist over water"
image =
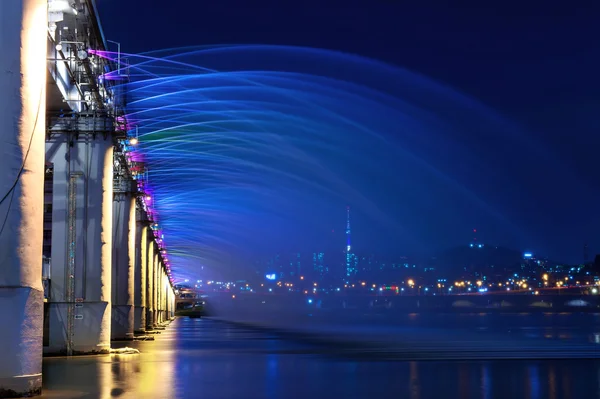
(254, 150)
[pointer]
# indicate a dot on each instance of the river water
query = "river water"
(200, 358)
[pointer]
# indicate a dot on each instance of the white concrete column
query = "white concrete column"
(164, 295)
(168, 298)
(23, 32)
(167, 310)
(173, 298)
(123, 261)
(158, 292)
(79, 304)
(155, 285)
(150, 282)
(161, 293)
(140, 289)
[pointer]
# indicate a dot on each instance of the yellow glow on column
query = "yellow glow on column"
(32, 126)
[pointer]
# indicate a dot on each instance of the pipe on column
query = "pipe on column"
(22, 133)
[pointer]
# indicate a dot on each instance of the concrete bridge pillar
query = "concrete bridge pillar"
(167, 293)
(155, 287)
(173, 298)
(162, 293)
(123, 261)
(165, 296)
(22, 133)
(150, 282)
(159, 292)
(80, 293)
(141, 260)
(171, 302)
(166, 288)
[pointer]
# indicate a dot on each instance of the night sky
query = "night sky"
(537, 64)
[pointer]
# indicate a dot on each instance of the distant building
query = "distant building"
(351, 258)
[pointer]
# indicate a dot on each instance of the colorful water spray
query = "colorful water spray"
(247, 143)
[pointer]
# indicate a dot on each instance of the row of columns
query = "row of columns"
(108, 278)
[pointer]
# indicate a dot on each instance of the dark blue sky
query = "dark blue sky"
(535, 62)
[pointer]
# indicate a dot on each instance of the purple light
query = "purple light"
(136, 156)
(111, 76)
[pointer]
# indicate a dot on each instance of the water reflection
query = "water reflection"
(146, 375)
(534, 382)
(486, 383)
(200, 359)
(551, 382)
(415, 392)
(271, 380)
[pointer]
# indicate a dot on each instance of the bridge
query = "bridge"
(83, 262)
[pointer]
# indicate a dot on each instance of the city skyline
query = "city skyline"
(350, 255)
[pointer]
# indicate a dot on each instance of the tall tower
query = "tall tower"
(348, 245)
(350, 267)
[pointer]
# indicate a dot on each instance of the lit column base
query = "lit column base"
(139, 319)
(122, 322)
(22, 315)
(91, 332)
(149, 319)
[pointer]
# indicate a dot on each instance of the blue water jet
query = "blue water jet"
(258, 148)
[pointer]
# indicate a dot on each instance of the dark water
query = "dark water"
(198, 358)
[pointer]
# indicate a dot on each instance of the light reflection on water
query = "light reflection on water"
(203, 359)
(486, 383)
